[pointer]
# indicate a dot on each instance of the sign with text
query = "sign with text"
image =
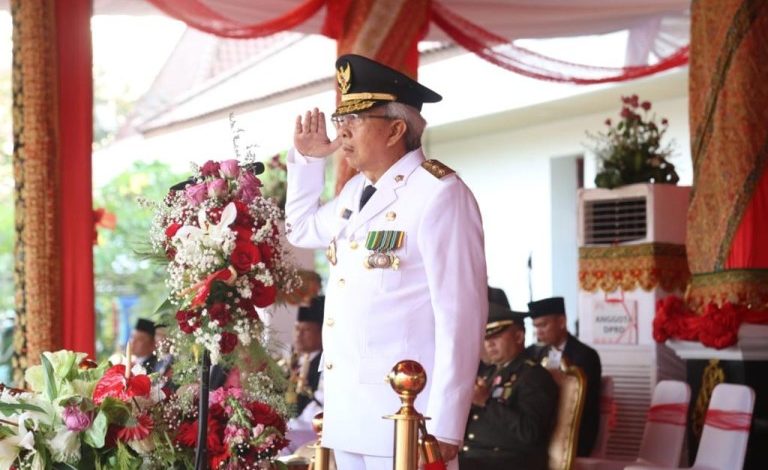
(614, 321)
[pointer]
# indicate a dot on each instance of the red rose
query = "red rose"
(171, 230)
(263, 296)
(243, 218)
(266, 254)
(187, 434)
(264, 414)
(228, 342)
(244, 256)
(219, 313)
(188, 321)
(242, 234)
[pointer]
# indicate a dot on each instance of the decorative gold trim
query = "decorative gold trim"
(573, 431)
(712, 376)
(368, 96)
(742, 286)
(499, 323)
(343, 77)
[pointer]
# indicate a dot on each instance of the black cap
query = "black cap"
(313, 313)
(497, 296)
(500, 318)
(550, 306)
(147, 326)
(365, 83)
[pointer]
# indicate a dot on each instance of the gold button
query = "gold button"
(465, 448)
(330, 321)
(471, 436)
(399, 178)
(342, 282)
(496, 449)
(329, 365)
(391, 215)
(353, 245)
(475, 417)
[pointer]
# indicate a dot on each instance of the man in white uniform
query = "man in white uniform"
(404, 241)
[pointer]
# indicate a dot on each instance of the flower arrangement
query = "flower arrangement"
(77, 412)
(80, 416)
(631, 151)
(221, 240)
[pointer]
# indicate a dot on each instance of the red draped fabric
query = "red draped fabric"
(669, 413)
(75, 136)
(499, 51)
(200, 16)
(340, 25)
(749, 249)
(728, 420)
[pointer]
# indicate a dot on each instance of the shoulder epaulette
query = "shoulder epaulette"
(437, 168)
(531, 362)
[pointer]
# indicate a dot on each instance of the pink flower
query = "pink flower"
(664, 121)
(210, 168)
(608, 122)
(217, 188)
(76, 419)
(230, 169)
(196, 194)
(646, 105)
(249, 187)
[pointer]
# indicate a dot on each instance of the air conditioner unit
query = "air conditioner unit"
(627, 224)
(633, 214)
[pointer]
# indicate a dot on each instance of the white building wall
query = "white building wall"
(509, 172)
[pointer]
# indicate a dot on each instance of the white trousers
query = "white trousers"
(350, 461)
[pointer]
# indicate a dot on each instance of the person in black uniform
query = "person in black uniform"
(514, 406)
(556, 345)
(305, 372)
(143, 345)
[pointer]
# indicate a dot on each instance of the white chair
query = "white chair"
(664, 430)
(723, 443)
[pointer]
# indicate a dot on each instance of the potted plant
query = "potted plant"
(631, 151)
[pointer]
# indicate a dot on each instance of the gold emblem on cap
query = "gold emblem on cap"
(391, 215)
(344, 77)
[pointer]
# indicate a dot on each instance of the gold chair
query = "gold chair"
(565, 436)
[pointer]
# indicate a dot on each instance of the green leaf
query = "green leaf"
(50, 379)
(95, 434)
(115, 411)
(8, 409)
(166, 307)
(125, 458)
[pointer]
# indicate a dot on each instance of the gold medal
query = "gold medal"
(330, 252)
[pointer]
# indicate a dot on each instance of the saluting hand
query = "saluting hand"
(310, 137)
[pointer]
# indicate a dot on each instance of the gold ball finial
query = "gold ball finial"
(407, 378)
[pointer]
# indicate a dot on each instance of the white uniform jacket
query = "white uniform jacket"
(432, 309)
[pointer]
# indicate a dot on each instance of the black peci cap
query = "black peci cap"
(550, 306)
(147, 326)
(365, 83)
(313, 313)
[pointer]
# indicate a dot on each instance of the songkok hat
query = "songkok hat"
(147, 326)
(497, 296)
(550, 306)
(500, 318)
(313, 313)
(364, 83)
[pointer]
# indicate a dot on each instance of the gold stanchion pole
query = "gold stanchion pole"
(407, 379)
(322, 458)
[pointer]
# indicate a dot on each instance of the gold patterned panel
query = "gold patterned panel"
(37, 267)
(629, 267)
